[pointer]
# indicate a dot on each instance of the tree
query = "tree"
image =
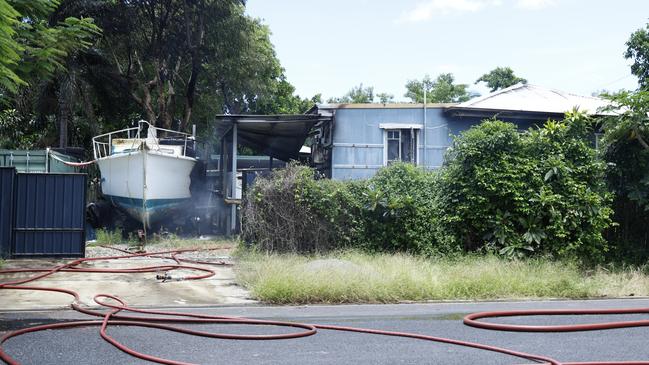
(357, 95)
(162, 48)
(282, 100)
(626, 152)
(185, 61)
(38, 42)
(385, 98)
(441, 90)
(638, 51)
(500, 78)
(33, 47)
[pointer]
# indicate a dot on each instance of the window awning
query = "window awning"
(278, 136)
(400, 126)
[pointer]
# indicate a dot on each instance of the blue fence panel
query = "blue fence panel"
(7, 175)
(49, 215)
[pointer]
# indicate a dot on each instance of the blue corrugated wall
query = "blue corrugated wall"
(358, 150)
(42, 215)
(49, 215)
(359, 142)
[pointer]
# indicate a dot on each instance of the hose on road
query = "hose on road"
(163, 320)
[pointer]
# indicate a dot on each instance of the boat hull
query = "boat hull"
(148, 185)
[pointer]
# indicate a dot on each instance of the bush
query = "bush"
(291, 211)
(108, 237)
(540, 192)
(398, 211)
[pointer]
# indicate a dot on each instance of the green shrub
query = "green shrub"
(398, 211)
(291, 211)
(107, 237)
(539, 192)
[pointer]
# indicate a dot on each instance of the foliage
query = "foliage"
(625, 149)
(172, 62)
(390, 212)
(31, 47)
(385, 98)
(183, 62)
(638, 51)
(398, 213)
(15, 133)
(441, 90)
(541, 192)
(106, 237)
(282, 100)
(290, 211)
(357, 95)
(500, 78)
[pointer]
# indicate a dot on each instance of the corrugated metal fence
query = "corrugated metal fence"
(7, 175)
(47, 214)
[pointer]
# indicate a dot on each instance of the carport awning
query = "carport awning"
(278, 136)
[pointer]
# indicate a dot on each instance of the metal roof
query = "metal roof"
(384, 106)
(278, 136)
(533, 98)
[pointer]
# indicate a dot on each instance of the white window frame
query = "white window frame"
(400, 127)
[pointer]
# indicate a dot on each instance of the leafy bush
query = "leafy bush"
(627, 153)
(291, 211)
(539, 192)
(107, 237)
(398, 211)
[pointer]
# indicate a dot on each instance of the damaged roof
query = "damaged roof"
(278, 136)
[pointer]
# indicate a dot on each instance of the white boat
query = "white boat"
(148, 177)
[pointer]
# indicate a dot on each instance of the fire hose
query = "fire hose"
(163, 320)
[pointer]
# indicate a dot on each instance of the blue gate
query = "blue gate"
(48, 215)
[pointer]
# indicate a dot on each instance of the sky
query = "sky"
(331, 46)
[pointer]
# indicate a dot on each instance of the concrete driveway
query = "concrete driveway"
(140, 289)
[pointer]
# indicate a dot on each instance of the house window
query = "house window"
(401, 145)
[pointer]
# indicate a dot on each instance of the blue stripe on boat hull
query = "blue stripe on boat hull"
(153, 210)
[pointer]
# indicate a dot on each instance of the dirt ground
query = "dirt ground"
(142, 290)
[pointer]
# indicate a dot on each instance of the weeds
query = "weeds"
(354, 277)
(106, 237)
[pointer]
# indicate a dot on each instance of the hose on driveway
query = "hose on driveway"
(164, 320)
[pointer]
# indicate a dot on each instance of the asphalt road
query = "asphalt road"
(84, 346)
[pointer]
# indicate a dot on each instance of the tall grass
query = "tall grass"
(107, 237)
(353, 277)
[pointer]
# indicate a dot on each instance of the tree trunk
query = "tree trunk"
(65, 107)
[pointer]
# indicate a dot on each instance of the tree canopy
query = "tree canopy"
(638, 51)
(357, 95)
(500, 78)
(33, 47)
(74, 68)
(441, 90)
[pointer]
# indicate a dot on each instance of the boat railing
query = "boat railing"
(103, 143)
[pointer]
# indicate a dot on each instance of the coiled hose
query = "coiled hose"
(164, 320)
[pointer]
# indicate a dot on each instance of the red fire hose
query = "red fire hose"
(163, 319)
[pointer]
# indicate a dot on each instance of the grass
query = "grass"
(353, 277)
(106, 237)
(157, 242)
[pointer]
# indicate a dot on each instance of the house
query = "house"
(353, 141)
(358, 139)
